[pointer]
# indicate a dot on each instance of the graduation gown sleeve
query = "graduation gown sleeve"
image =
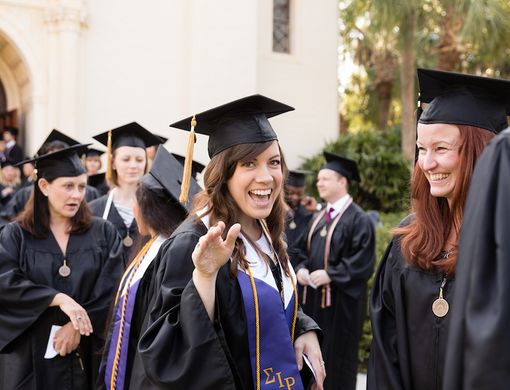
(384, 370)
(22, 301)
(181, 340)
(478, 356)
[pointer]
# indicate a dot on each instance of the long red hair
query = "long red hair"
(423, 239)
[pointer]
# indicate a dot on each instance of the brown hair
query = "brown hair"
(160, 212)
(423, 239)
(114, 180)
(222, 207)
(80, 222)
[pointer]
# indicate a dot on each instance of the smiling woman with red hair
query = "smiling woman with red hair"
(413, 287)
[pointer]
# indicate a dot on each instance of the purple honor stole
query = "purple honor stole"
(116, 363)
(270, 321)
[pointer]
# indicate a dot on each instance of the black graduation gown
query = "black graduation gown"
(477, 355)
(409, 341)
(29, 280)
(351, 262)
(99, 183)
(17, 203)
(180, 347)
(296, 226)
(98, 206)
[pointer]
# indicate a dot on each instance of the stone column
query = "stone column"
(66, 21)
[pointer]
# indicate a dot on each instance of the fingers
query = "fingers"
(319, 368)
(232, 235)
(298, 350)
(81, 321)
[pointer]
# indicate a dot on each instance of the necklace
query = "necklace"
(64, 270)
(440, 306)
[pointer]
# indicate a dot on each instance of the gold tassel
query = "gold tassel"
(109, 173)
(186, 174)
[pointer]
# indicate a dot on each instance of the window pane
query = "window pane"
(281, 26)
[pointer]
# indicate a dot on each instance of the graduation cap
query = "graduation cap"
(56, 135)
(6, 163)
(11, 129)
(297, 178)
(462, 99)
(91, 152)
(96, 179)
(345, 167)
(241, 121)
(61, 163)
(131, 134)
(165, 178)
(196, 167)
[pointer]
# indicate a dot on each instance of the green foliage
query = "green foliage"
(383, 169)
(383, 238)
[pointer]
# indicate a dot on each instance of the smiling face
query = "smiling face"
(65, 194)
(129, 163)
(294, 195)
(257, 183)
(438, 158)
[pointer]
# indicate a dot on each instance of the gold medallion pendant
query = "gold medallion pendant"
(127, 241)
(324, 232)
(440, 307)
(64, 270)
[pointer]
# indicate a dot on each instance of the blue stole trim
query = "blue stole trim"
(130, 305)
(278, 367)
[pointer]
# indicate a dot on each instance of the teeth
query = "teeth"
(439, 176)
(261, 192)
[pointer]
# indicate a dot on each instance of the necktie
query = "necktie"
(328, 215)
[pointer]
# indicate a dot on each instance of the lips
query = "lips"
(261, 197)
(439, 176)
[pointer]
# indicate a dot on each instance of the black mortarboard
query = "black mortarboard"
(297, 178)
(345, 167)
(6, 163)
(242, 121)
(165, 178)
(11, 129)
(56, 135)
(461, 99)
(90, 152)
(196, 167)
(132, 134)
(62, 163)
(96, 179)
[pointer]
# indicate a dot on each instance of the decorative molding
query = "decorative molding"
(60, 18)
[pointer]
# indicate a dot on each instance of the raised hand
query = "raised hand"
(212, 251)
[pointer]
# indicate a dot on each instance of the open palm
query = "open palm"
(212, 251)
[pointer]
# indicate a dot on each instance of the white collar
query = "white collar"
(338, 205)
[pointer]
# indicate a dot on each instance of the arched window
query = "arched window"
(281, 26)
